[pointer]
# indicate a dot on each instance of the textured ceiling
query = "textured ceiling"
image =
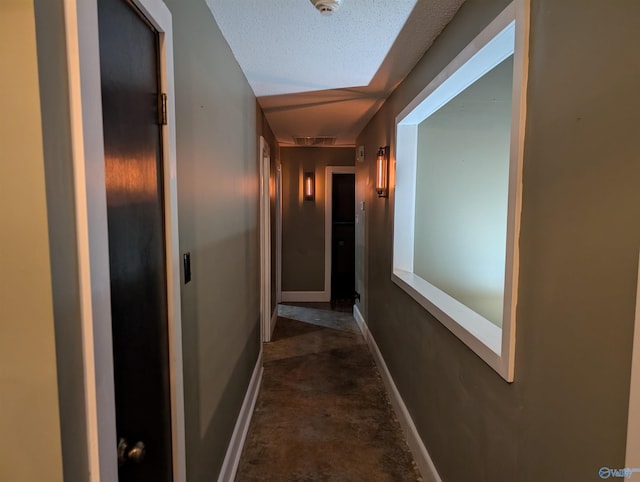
(317, 75)
(287, 46)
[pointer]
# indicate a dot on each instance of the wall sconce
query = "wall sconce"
(309, 186)
(382, 172)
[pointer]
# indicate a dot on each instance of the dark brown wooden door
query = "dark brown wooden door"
(343, 237)
(133, 170)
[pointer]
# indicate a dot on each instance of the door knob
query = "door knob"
(126, 452)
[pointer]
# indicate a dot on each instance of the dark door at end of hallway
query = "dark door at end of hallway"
(343, 237)
(135, 215)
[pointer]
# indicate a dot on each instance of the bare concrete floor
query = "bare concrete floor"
(322, 413)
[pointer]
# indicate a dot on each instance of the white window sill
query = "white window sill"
(482, 336)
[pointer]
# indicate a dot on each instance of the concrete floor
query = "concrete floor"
(322, 413)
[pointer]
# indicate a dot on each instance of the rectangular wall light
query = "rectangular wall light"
(309, 186)
(382, 173)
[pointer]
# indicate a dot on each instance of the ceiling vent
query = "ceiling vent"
(326, 7)
(314, 141)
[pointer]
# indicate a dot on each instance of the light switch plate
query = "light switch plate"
(186, 262)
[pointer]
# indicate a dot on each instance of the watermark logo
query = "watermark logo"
(606, 472)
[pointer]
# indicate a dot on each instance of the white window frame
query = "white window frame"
(507, 34)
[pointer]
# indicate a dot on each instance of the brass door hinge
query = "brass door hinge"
(162, 109)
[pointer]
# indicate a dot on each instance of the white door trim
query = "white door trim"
(265, 240)
(278, 233)
(328, 210)
(83, 64)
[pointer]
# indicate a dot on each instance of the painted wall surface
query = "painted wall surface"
(303, 221)
(217, 162)
(30, 447)
(565, 414)
(462, 180)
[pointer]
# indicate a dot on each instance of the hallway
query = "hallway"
(322, 412)
(542, 385)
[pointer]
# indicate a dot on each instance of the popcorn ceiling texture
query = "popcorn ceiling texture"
(286, 46)
(320, 75)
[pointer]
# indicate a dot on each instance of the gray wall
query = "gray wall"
(303, 221)
(565, 414)
(217, 149)
(30, 441)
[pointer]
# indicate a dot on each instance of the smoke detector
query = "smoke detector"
(326, 7)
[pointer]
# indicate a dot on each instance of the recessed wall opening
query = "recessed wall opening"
(462, 180)
(457, 196)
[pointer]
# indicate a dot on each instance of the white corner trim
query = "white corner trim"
(234, 449)
(633, 423)
(306, 296)
(423, 460)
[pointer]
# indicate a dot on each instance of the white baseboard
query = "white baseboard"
(423, 459)
(234, 450)
(360, 321)
(306, 296)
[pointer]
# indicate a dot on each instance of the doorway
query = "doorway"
(343, 272)
(340, 233)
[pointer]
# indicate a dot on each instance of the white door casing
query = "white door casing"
(279, 234)
(265, 241)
